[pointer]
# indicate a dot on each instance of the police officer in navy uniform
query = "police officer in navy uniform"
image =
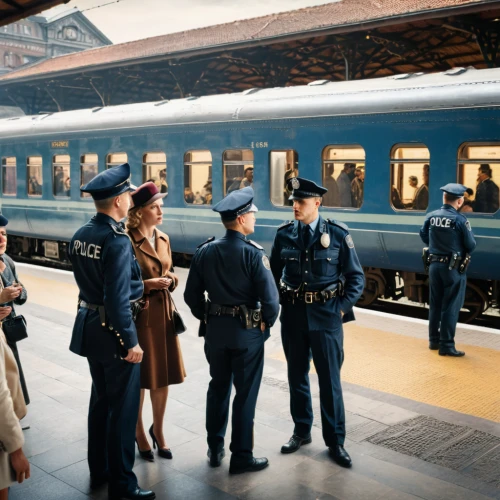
(110, 283)
(450, 239)
(316, 267)
(242, 305)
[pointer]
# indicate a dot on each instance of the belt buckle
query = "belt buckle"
(308, 297)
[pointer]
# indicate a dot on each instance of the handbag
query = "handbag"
(179, 325)
(15, 329)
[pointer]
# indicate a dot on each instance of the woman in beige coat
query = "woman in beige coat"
(14, 465)
(162, 364)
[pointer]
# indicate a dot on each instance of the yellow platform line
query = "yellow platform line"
(404, 366)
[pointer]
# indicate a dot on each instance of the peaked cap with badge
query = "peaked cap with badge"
(236, 203)
(110, 183)
(304, 188)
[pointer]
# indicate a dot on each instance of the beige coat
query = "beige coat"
(12, 408)
(162, 363)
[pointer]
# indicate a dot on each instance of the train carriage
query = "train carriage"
(199, 148)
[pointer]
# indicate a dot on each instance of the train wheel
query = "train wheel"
(370, 293)
(476, 302)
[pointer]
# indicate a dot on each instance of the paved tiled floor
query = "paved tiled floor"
(59, 385)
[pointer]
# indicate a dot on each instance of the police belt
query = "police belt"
(442, 258)
(310, 297)
(135, 309)
(251, 318)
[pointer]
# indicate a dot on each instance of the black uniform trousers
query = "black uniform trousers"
(326, 346)
(113, 411)
(447, 294)
(239, 361)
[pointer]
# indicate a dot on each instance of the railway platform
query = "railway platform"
(418, 425)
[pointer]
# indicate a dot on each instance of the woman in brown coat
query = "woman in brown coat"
(162, 364)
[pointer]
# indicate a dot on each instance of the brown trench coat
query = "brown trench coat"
(162, 363)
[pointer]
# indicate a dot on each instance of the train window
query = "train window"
(410, 177)
(198, 177)
(115, 159)
(61, 181)
(238, 169)
(154, 169)
(344, 176)
(34, 175)
(89, 167)
(283, 165)
(9, 175)
(479, 170)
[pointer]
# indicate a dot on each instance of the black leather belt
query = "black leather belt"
(441, 258)
(217, 310)
(86, 305)
(135, 308)
(310, 297)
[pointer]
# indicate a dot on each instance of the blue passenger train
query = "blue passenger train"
(406, 135)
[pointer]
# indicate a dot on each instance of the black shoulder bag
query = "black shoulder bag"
(14, 327)
(179, 326)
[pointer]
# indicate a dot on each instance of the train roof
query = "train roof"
(456, 88)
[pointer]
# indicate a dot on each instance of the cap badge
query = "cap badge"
(295, 183)
(325, 240)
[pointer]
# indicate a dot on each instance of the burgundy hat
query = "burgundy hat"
(146, 194)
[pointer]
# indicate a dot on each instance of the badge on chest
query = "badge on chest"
(325, 240)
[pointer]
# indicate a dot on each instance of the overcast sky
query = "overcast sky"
(134, 19)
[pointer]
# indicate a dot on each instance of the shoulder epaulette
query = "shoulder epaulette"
(255, 244)
(212, 238)
(338, 223)
(118, 230)
(285, 224)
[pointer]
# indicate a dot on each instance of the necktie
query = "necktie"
(306, 235)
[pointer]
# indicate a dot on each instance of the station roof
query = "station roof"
(342, 40)
(337, 17)
(14, 10)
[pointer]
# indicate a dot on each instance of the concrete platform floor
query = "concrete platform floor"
(405, 436)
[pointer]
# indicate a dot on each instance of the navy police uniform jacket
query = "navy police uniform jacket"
(329, 259)
(447, 231)
(234, 271)
(107, 274)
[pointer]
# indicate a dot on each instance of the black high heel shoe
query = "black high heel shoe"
(146, 455)
(163, 452)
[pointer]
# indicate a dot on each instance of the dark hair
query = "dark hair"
(451, 197)
(469, 191)
(485, 169)
(349, 165)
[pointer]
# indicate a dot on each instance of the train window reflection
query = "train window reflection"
(115, 159)
(34, 175)
(154, 169)
(89, 167)
(283, 165)
(410, 177)
(198, 177)
(344, 176)
(238, 169)
(61, 176)
(479, 170)
(9, 176)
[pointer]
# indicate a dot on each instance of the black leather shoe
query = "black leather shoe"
(137, 494)
(451, 351)
(163, 452)
(97, 482)
(254, 466)
(294, 443)
(216, 457)
(146, 455)
(433, 346)
(340, 456)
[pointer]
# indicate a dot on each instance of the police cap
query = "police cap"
(236, 203)
(304, 188)
(110, 183)
(3, 221)
(453, 189)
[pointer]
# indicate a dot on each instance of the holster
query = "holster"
(462, 268)
(251, 318)
(426, 259)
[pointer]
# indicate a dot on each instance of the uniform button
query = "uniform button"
(307, 272)
(117, 334)
(307, 260)
(110, 327)
(305, 283)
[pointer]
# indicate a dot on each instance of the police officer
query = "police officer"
(109, 280)
(242, 305)
(311, 258)
(450, 239)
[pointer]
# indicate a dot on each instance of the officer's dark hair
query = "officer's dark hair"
(450, 198)
(485, 169)
(105, 204)
(230, 224)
